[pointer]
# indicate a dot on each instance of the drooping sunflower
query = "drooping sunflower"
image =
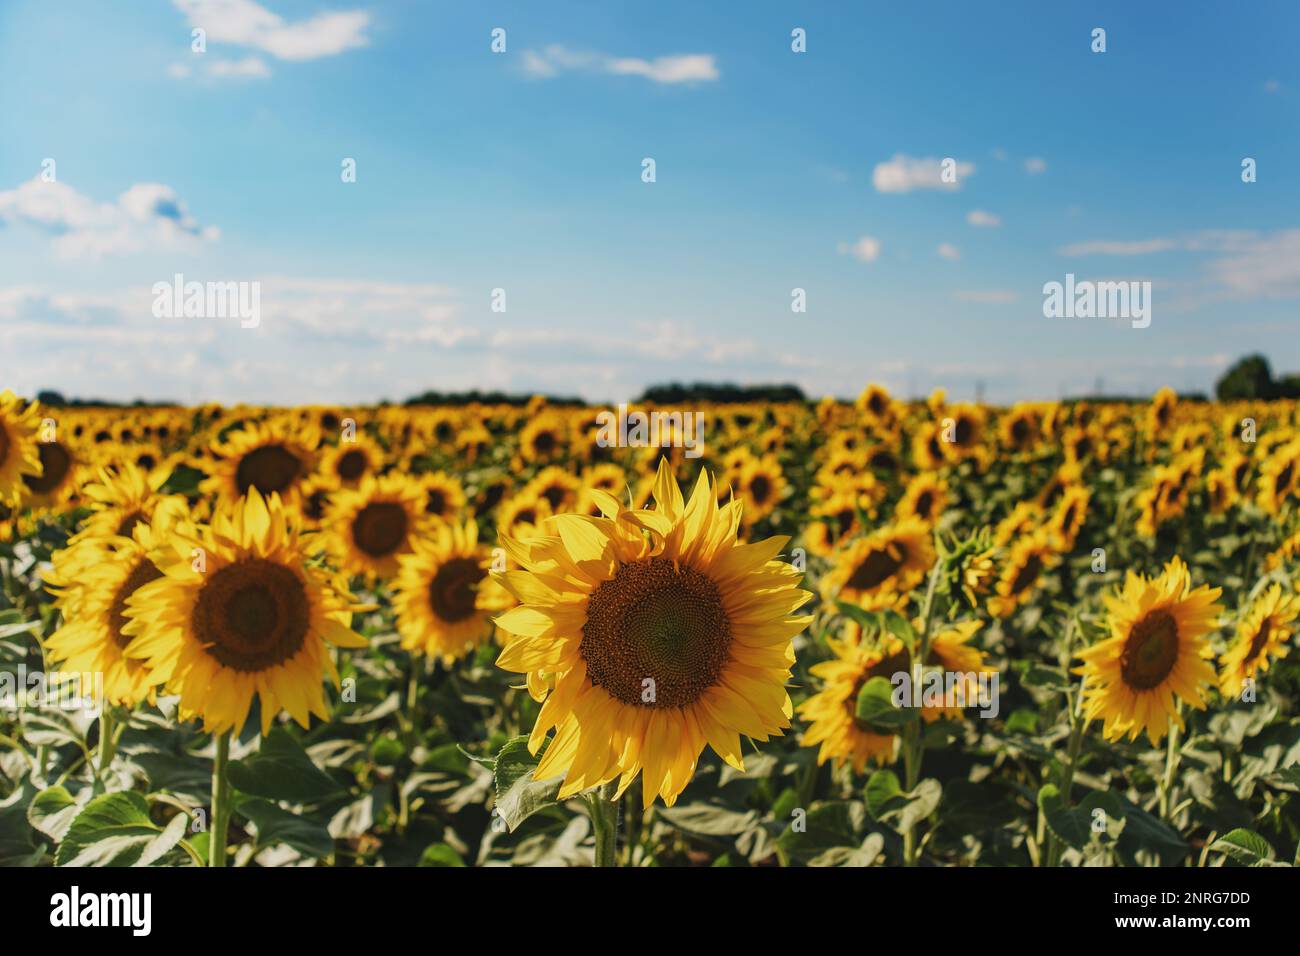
(19, 459)
(832, 712)
(1029, 557)
(1157, 652)
(1262, 635)
(647, 634)
(266, 458)
(1279, 477)
(370, 527)
(240, 612)
(92, 587)
(443, 596)
(878, 571)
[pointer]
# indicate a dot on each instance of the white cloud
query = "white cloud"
(904, 173)
(986, 296)
(1272, 86)
(948, 251)
(245, 23)
(866, 249)
(1035, 165)
(1107, 247)
(250, 67)
(1268, 267)
(675, 68)
(146, 215)
(982, 219)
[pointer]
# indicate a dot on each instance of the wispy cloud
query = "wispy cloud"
(248, 24)
(250, 67)
(903, 173)
(675, 68)
(948, 251)
(865, 249)
(1035, 165)
(983, 219)
(146, 215)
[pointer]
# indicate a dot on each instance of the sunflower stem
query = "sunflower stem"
(913, 734)
(220, 802)
(604, 823)
(106, 743)
(1172, 753)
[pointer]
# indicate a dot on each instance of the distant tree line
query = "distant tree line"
(675, 392)
(1251, 378)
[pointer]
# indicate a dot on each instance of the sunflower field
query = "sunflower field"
(871, 633)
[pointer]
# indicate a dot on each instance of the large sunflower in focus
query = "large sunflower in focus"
(878, 571)
(1262, 635)
(240, 612)
(443, 594)
(262, 458)
(648, 634)
(1157, 652)
(18, 455)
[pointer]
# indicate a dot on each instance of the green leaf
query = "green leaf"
(875, 706)
(115, 830)
(921, 802)
(53, 810)
(867, 620)
(281, 770)
(708, 819)
(1064, 821)
(827, 826)
(884, 794)
(1244, 846)
(277, 825)
(440, 854)
(518, 795)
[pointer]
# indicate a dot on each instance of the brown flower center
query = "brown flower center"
(351, 465)
(270, 468)
(1259, 641)
(1027, 574)
(453, 590)
(877, 567)
(56, 463)
(252, 615)
(379, 529)
(656, 635)
(143, 572)
(1150, 651)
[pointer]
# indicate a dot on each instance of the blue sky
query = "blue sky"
(521, 171)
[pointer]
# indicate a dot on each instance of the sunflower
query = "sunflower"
(443, 596)
(119, 501)
(1020, 429)
(350, 461)
(1024, 517)
(262, 458)
(370, 527)
(876, 404)
(62, 469)
(520, 516)
(560, 488)
(19, 458)
(1157, 652)
(835, 522)
(648, 634)
(1278, 478)
(761, 487)
(928, 448)
(832, 712)
(1029, 558)
(1067, 520)
(925, 498)
(240, 612)
(878, 571)
(962, 433)
(1262, 635)
(544, 439)
(444, 497)
(92, 587)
